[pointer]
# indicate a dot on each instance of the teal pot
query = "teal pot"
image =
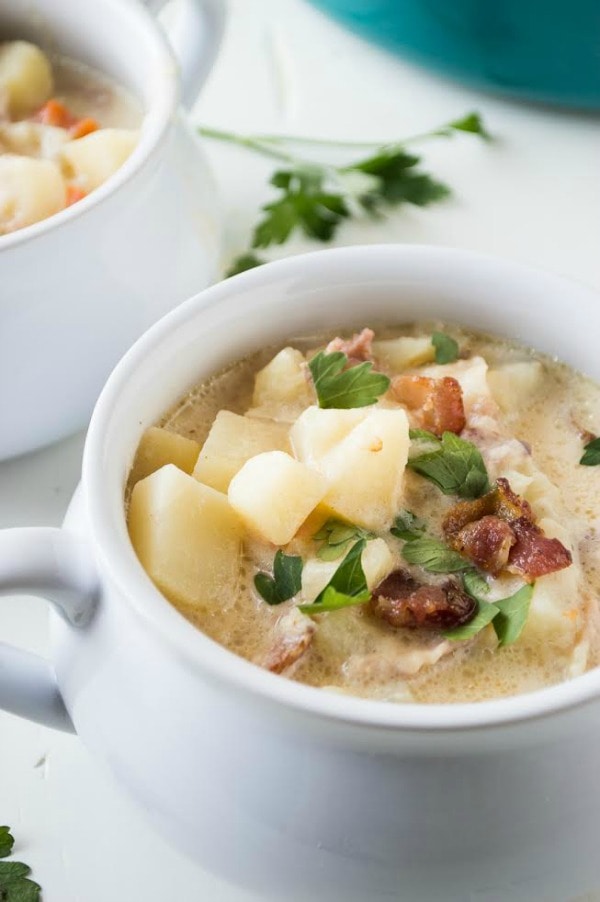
(543, 50)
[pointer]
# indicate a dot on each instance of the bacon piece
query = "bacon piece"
(293, 634)
(473, 528)
(534, 554)
(357, 349)
(403, 602)
(438, 403)
(487, 542)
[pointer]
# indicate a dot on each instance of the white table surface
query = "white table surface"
(534, 196)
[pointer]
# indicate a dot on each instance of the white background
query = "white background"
(534, 195)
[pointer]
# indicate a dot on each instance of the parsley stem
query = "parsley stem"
(251, 142)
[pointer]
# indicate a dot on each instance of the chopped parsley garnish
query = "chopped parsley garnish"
(508, 616)
(336, 536)
(434, 556)
(454, 464)
(285, 582)
(15, 885)
(342, 388)
(591, 454)
(446, 348)
(347, 586)
(407, 526)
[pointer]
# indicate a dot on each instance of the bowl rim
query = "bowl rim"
(218, 663)
(156, 120)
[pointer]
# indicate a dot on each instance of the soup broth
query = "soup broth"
(528, 416)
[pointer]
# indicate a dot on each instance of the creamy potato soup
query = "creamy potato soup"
(405, 515)
(64, 129)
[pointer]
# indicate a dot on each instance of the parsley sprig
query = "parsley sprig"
(508, 616)
(285, 582)
(347, 586)
(314, 198)
(446, 348)
(342, 388)
(15, 885)
(452, 463)
(407, 526)
(336, 536)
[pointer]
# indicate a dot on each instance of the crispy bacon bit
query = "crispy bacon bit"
(486, 542)
(403, 602)
(293, 635)
(534, 554)
(519, 545)
(357, 349)
(438, 403)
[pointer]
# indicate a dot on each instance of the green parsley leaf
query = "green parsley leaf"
(305, 205)
(336, 536)
(399, 181)
(446, 349)
(475, 584)
(456, 467)
(512, 615)
(243, 263)
(422, 435)
(472, 123)
(14, 883)
(486, 612)
(348, 582)
(345, 389)
(285, 582)
(591, 455)
(6, 841)
(434, 556)
(407, 526)
(332, 600)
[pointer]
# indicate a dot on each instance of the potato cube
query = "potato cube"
(91, 160)
(25, 78)
(188, 539)
(514, 384)
(232, 441)
(365, 470)
(398, 354)
(317, 430)
(377, 561)
(274, 494)
(159, 447)
(281, 388)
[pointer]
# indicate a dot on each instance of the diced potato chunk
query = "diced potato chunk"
(514, 384)
(365, 470)
(30, 190)
(159, 447)
(188, 539)
(274, 494)
(232, 441)
(377, 561)
(317, 430)
(32, 139)
(25, 78)
(281, 389)
(398, 354)
(91, 160)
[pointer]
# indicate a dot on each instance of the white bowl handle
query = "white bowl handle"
(51, 563)
(196, 36)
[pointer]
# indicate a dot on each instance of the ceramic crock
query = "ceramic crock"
(544, 50)
(78, 288)
(291, 791)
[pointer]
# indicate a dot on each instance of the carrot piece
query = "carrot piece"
(83, 127)
(55, 113)
(74, 193)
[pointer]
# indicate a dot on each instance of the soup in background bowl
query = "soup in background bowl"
(64, 130)
(288, 790)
